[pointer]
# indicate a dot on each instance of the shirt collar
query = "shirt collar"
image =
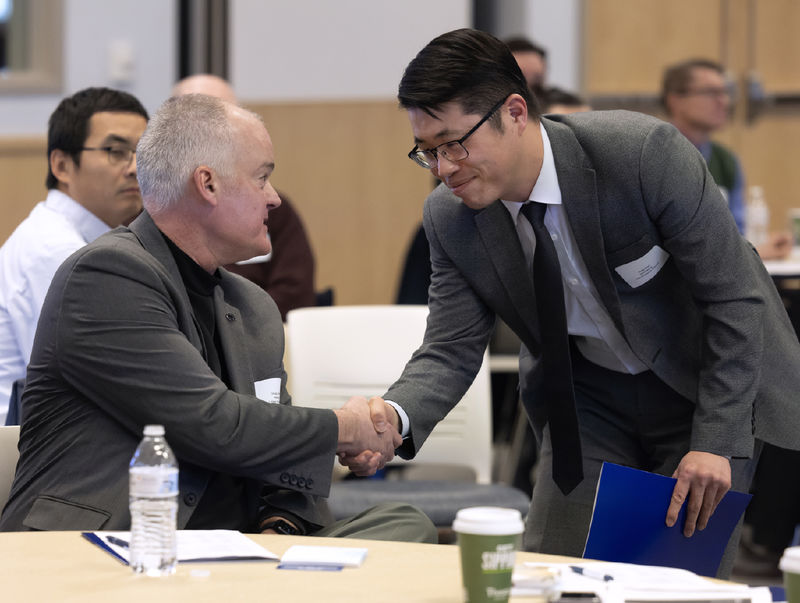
(85, 222)
(194, 277)
(546, 189)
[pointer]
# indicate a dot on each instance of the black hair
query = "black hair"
(466, 66)
(68, 126)
(520, 44)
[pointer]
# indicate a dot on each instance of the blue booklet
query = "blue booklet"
(628, 526)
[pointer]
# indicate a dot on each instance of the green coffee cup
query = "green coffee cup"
(488, 538)
(790, 566)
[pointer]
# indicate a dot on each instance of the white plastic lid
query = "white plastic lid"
(488, 521)
(790, 562)
(154, 430)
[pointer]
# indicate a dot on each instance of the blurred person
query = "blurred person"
(558, 100)
(92, 187)
(287, 272)
(697, 99)
(145, 326)
(532, 61)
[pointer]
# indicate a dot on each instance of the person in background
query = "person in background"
(92, 187)
(532, 61)
(287, 273)
(646, 342)
(697, 99)
(145, 326)
(558, 100)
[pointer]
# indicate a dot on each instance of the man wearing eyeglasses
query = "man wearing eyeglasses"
(697, 98)
(91, 178)
(652, 335)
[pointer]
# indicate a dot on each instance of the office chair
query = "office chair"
(343, 351)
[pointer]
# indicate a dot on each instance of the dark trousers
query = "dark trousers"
(632, 420)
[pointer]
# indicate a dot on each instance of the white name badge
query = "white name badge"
(638, 272)
(269, 390)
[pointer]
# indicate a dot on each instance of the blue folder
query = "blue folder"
(628, 523)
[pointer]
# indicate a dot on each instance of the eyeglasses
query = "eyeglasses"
(710, 92)
(116, 155)
(453, 150)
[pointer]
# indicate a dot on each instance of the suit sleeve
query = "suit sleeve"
(458, 331)
(120, 345)
(720, 268)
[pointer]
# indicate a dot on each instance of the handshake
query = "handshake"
(368, 434)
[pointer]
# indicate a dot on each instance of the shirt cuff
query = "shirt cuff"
(404, 421)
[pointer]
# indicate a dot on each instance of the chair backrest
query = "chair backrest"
(9, 436)
(342, 351)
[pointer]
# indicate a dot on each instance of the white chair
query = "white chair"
(9, 436)
(343, 351)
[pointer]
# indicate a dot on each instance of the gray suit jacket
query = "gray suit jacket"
(118, 347)
(710, 323)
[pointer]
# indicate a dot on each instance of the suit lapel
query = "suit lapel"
(499, 236)
(231, 335)
(576, 179)
(152, 240)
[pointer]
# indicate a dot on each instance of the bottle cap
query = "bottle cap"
(153, 430)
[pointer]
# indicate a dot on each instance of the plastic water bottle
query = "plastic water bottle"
(153, 505)
(757, 224)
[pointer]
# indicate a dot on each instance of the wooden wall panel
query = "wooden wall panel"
(776, 44)
(627, 43)
(345, 168)
(23, 168)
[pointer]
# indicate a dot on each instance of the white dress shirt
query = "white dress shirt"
(587, 319)
(55, 229)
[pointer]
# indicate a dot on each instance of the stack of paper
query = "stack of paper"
(192, 545)
(624, 582)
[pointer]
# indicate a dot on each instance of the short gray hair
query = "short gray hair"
(186, 132)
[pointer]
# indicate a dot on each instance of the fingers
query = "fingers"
(676, 502)
(703, 478)
(378, 413)
(363, 464)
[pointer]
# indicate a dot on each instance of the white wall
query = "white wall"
(328, 50)
(553, 24)
(147, 27)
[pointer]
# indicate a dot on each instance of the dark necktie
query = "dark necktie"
(557, 385)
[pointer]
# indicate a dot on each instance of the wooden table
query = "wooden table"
(63, 566)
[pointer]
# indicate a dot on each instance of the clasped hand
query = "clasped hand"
(367, 437)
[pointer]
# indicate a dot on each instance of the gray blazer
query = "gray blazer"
(118, 347)
(709, 324)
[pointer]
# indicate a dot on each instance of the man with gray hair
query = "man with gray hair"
(144, 326)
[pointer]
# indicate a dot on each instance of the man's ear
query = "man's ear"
(62, 165)
(518, 109)
(206, 183)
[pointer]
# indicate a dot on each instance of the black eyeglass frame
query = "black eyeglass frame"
(418, 156)
(111, 150)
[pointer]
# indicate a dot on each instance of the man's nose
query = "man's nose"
(445, 167)
(273, 199)
(131, 169)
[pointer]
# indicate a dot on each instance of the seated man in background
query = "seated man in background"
(697, 99)
(144, 326)
(91, 181)
(287, 272)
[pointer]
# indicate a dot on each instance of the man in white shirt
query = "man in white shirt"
(91, 143)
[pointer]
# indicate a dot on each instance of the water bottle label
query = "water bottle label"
(153, 481)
